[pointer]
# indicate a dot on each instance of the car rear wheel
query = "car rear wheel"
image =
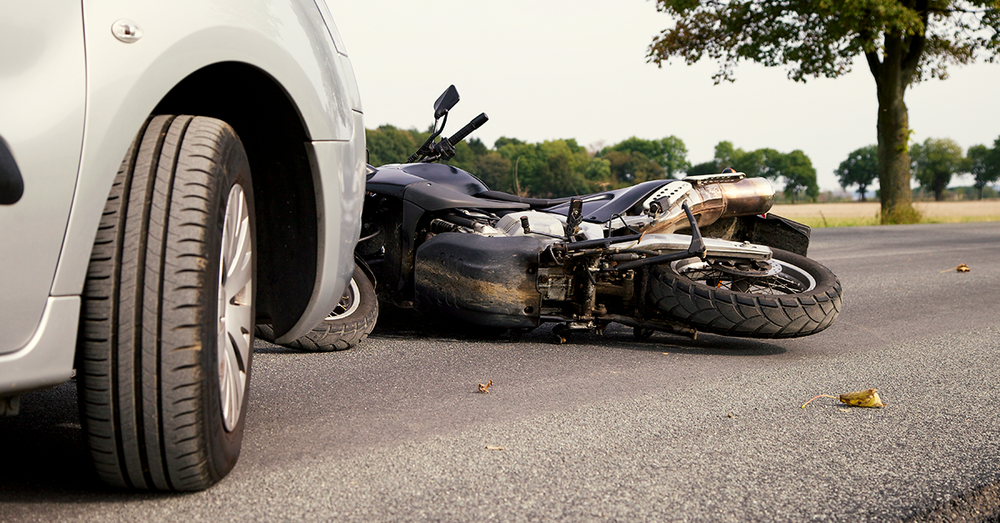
(167, 320)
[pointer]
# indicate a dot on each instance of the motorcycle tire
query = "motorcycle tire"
(802, 299)
(346, 326)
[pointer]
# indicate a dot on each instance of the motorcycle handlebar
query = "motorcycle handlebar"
(476, 123)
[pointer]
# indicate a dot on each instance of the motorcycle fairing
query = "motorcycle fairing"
(482, 280)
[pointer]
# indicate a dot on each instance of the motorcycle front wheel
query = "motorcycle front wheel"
(347, 325)
(788, 296)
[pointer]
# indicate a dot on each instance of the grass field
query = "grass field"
(858, 213)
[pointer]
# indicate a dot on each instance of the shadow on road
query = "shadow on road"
(45, 458)
(412, 325)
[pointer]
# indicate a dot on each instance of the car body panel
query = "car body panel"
(45, 360)
(42, 75)
(105, 90)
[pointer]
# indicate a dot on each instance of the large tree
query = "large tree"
(934, 163)
(799, 174)
(903, 42)
(860, 168)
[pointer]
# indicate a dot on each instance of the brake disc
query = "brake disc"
(747, 268)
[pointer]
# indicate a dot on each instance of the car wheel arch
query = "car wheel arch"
(284, 181)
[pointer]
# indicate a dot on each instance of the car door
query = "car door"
(42, 106)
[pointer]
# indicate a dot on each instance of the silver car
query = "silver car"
(170, 173)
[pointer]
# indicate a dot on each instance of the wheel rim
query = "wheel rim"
(234, 310)
(777, 278)
(349, 302)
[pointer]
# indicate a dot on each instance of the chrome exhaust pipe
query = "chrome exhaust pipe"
(710, 198)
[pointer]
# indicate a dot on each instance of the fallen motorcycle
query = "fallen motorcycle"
(680, 256)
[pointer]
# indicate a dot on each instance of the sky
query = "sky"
(555, 69)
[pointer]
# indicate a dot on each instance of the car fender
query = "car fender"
(289, 41)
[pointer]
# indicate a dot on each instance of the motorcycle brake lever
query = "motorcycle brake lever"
(697, 246)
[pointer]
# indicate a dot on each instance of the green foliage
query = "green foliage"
(821, 38)
(666, 158)
(860, 168)
(552, 168)
(387, 144)
(630, 167)
(559, 168)
(799, 174)
(795, 168)
(984, 165)
(934, 162)
(709, 167)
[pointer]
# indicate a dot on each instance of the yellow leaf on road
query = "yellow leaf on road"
(863, 398)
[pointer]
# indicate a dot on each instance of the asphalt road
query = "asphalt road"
(606, 427)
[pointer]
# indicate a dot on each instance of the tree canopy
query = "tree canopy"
(557, 168)
(902, 41)
(669, 154)
(984, 165)
(860, 168)
(795, 168)
(934, 163)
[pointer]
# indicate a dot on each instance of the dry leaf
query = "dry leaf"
(485, 388)
(864, 398)
(961, 268)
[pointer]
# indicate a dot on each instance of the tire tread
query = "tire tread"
(143, 312)
(731, 313)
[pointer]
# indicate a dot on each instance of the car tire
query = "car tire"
(166, 331)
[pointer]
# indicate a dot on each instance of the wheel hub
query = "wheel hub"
(234, 307)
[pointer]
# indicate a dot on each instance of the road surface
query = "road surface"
(607, 428)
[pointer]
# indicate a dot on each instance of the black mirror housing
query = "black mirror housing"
(445, 102)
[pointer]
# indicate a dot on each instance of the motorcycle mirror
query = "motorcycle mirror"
(445, 102)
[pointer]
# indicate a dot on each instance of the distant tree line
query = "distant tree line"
(933, 163)
(556, 168)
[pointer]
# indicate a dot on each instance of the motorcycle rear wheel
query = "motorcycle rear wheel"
(793, 297)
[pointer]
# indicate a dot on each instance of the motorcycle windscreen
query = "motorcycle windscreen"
(478, 279)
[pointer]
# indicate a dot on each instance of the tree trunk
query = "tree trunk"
(938, 192)
(891, 79)
(894, 154)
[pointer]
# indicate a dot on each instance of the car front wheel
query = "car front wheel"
(168, 307)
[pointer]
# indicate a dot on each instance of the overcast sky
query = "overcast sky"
(550, 69)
